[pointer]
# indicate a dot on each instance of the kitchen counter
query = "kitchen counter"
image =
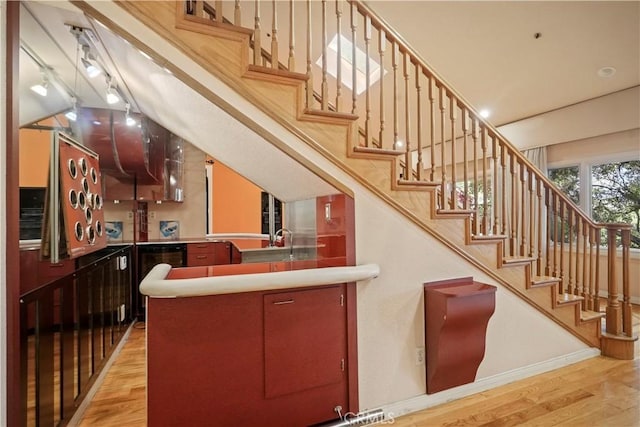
(163, 281)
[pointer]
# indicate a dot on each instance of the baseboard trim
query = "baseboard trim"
(77, 416)
(418, 403)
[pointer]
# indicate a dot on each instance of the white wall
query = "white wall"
(3, 219)
(390, 320)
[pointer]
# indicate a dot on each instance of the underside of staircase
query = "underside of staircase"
(224, 51)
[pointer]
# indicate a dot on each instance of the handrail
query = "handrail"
(467, 157)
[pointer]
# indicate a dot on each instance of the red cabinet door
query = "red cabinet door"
(304, 341)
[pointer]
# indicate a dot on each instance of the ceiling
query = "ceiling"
(486, 50)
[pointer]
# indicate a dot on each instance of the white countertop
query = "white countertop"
(155, 285)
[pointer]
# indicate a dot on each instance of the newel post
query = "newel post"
(618, 315)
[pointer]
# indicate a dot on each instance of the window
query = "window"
(614, 189)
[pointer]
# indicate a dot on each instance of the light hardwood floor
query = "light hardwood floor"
(597, 392)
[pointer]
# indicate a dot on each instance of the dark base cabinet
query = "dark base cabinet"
(148, 256)
(267, 358)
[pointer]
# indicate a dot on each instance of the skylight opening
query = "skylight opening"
(346, 65)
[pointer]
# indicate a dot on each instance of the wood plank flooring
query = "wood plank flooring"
(597, 392)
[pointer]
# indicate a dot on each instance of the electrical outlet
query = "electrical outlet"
(152, 214)
(122, 313)
(419, 355)
(129, 215)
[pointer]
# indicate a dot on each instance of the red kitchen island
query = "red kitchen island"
(268, 344)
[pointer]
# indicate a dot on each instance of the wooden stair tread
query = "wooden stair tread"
(517, 260)
(378, 151)
(619, 337)
(330, 114)
(416, 183)
(259, 72)
(565, 299)
(488, 238)
(589, 316)
(455, 213)
(540, 281)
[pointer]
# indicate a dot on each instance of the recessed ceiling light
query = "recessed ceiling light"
(606, 72)
(485, 113)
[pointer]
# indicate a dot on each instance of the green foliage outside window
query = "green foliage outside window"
(615, 195)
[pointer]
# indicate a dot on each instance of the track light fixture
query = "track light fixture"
(112, 94)
(130, 120)
(92, 69)
(41, 88)
(73, 113)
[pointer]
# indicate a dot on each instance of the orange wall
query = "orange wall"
(236, 202)
(34, 157)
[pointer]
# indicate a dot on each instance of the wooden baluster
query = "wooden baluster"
(476, 179)
(237, 14)
(324, 102)
(485, 184)
(407, 149)
(592, 261)
(257, 37)
(291, 62)
(419, 165)
(585, 259)
(532, 203)
(495, 201)
(523, 211)
(627, 323)
(339, 55)
(309, 84)
(555, 235)
(547, 204)
(578, 284)
(540, 231)
(199, 9)
(562, 233)
(503, 168)
(382, 43)
(367, 67)
(443, 160)
(465, 159)
(354, 89)
(452, 118)
(274, 37)
(614, 309)
(219, 13)
(514, 206)
(596, 290)
(432, 128)
(394, 65)
(570, 285)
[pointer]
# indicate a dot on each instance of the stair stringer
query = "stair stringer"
(282, 98)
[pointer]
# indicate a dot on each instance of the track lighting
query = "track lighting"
(112, 95)
(130, 120)
(41, 88)
(73, 113)
(92, 69)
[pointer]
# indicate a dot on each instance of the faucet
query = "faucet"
(281, 232)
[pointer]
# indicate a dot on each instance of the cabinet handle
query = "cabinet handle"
(288, 301)
(201, 256)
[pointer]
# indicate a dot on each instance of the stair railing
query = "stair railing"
(355, 63)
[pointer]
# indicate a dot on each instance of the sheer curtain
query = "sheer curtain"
(537, 156)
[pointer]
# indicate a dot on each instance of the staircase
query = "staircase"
(412, 140)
